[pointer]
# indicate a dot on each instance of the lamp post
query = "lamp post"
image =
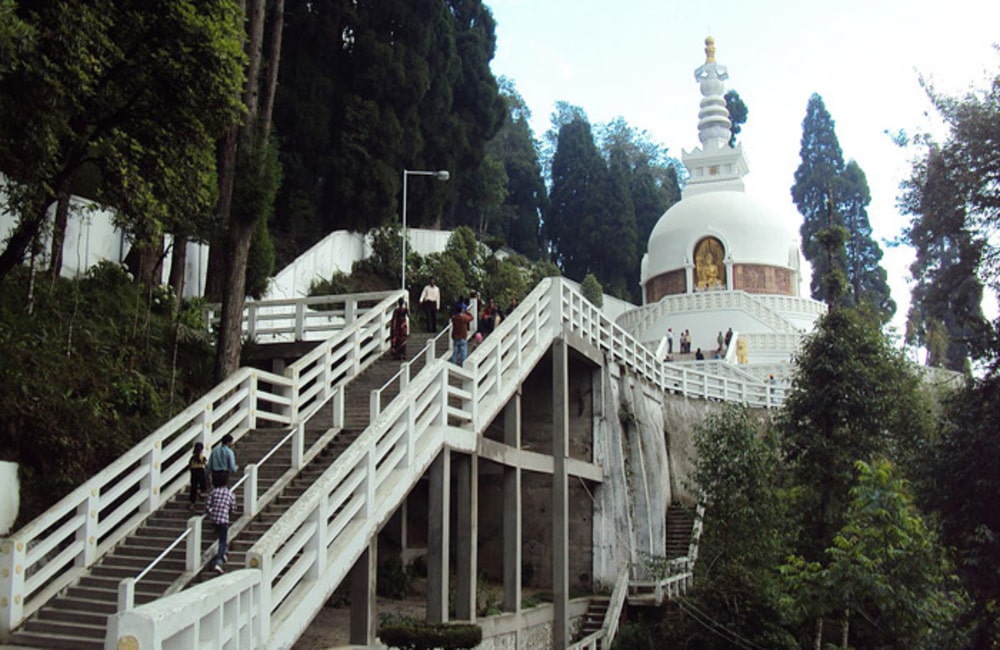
(441, 175)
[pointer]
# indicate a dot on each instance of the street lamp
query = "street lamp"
(441, 175)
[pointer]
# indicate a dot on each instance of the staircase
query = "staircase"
(593, 619)
(77, 617)
(680, 523)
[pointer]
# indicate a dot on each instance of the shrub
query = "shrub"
(408, 634)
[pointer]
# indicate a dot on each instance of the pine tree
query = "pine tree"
(828, 192)
(946, 313)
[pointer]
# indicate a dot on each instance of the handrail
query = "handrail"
(52, 551)
(429, 350)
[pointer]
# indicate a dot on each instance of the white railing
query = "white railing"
(329, 526)
(305, 555)
(604, 637)
(757, 306)
(309, 318)
(433, 349)
(678, 577)
(55, 549)
(226, 609)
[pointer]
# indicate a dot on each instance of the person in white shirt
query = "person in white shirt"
(430, 301)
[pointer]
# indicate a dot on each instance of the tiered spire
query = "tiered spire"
(714, 125)
(715, 166)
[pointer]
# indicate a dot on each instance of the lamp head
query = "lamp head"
(442, 175)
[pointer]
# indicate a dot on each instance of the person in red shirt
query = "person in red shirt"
(460, 334)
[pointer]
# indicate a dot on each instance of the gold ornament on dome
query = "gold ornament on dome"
(709, 270)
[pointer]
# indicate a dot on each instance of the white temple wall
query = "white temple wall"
(10, 496)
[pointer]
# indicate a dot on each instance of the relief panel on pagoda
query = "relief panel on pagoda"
(666, 284)
(760, 278)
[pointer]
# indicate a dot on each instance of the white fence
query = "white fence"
(310, 550)
(54, 550)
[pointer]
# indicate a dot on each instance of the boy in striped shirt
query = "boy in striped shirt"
(220, 505)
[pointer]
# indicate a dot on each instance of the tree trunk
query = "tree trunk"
(178, 266)
(845, 629)
(22, 237)
(818, 642)
(273, 63)
(230, 342)
(240, 232)
(59, 236)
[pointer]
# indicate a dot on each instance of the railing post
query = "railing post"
(370, 477)
(126, 594)
(298, 445)
(300, 312)
(151, 483)
(264, 564)
(404, 378)
(250, 490)
(319, 542)
(250, 403)
(409, 434)
(350, 311)
(374, 397)
(499, 369)
(192, 549)
(12, 566)
(87, 534)
(338, 409)
(252, 321)
(296, 394)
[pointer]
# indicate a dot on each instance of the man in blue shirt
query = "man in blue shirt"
(222, 461)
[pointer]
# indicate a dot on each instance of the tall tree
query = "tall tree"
(853, 397)
(580, 186)
(248, 181)
(738, 113)
(518, 220)
(948, 294)
(829, 193)
(91, 93)
(652, 184)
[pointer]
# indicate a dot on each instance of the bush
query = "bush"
(633, 636)
(407, 634)
(393, 580)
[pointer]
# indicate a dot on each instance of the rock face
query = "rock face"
(10, 496)
(643, 440)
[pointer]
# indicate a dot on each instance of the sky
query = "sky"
(636, 59)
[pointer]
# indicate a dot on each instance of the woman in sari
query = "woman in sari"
(399, 330)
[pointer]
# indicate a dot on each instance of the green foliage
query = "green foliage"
(408, 634)
(393, 579)
(592, 290)
(135, 92)
(885, 576)
(87, 373)
(946, 313)
(830, 194)
(965, 484)
(368, 89)
(745, 536)
(632, 636)
(738, 113)
(853, 397)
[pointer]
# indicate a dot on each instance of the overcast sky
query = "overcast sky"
(636, 58)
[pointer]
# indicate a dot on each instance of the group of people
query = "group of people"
(221, 502)
(723, 341)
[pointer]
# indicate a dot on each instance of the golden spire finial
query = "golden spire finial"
(709, 50)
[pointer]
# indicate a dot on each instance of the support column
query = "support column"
(466, 550)
(512, 510)
(438, 538)
(560, 494)
(364, 608)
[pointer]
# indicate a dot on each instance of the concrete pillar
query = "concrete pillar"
(364, 609)
(560, 494)
(438, 538)
(512, 510)
(467, 536)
